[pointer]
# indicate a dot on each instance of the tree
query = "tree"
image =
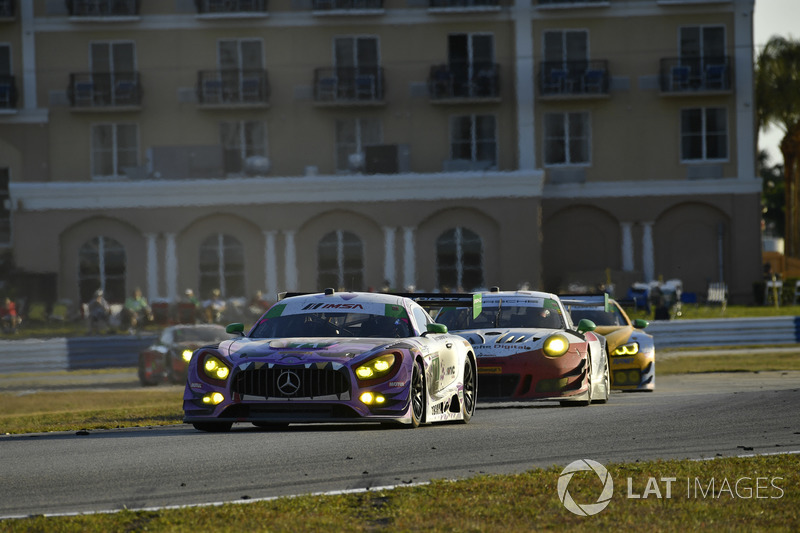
(773, 199)
(777, 95)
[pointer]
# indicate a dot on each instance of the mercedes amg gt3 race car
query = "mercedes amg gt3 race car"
(631, 351)
(335, 357)
(528, 349)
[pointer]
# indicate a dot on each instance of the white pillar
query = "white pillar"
(648, 252)
(171, 267)
(152, 266)
(291, 261)
(389, 273)
(409, 259)
(28, 71)
(627, 246)
(523, 44)
(742, 80)
(270, 266)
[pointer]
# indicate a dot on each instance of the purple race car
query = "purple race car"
(336, 357)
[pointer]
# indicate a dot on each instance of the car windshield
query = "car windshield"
(199, 334)
(514, 313)
(598, 316)
(332, 325)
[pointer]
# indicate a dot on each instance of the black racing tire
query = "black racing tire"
(213, 427)
(418, 395)
(470, 391)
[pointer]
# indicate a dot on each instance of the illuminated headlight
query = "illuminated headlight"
(555, 345)
(214, 398)
(215, 369)
(187, 355)
(371, 398)
(376, 368)
(627, 349)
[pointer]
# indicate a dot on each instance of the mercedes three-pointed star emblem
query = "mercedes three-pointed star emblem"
(288, 382)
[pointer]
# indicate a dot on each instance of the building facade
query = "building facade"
(438, 144)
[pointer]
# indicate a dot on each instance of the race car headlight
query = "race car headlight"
(376, 368)
(187, 355)
(214, 398)
(631, 348)
(555, 345)
(215, 369)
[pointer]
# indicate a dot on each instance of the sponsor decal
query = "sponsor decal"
(397, 383)
(332, 306)
(196, 385)
(490, 370)
(623, 360)
(441, 408)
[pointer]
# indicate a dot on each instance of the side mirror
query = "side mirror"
(235, 329)
(586, 325)
(640, 323)
(436, 328)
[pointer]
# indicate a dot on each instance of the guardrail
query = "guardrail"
(46, 355)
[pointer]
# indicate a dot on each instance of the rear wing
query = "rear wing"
(426, 300)
(437, 300)
(586, 300)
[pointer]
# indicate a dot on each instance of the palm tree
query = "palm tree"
(777, 94)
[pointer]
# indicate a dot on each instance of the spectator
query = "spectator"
(136, 311)
(8, 314)
(98, 313)
(188, 308)
(257, 305)
(214, 307)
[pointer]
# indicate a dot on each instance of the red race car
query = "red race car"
(166, 360)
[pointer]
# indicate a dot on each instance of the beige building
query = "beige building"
(299, 144)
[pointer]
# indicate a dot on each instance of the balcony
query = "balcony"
(350, 86)
(347, 7)
(103, 8)
(456, 84)
(8, 92)
(233, 88)
(571, 3)
(574, 79)
(97, 91)
(230, 7)
(463, 5)
(8, 9)
(692, 75)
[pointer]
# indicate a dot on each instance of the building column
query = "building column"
(152, 266)
(627, 246)
(270, 266)
(745, 97)
(28, 70)
(171, 267)
(648, 252)
(389, 273)
(291, 261)
(524, 49)
(409, 259)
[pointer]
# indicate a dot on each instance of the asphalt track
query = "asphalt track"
(690, 416)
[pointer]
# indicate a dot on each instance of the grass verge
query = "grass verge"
(730, 494)
(730, 362)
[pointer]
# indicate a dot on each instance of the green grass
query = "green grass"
(730, 362)
(502, 503)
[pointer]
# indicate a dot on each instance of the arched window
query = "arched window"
(459, 260)
(221, 266)
(102, 266)
(340, 261)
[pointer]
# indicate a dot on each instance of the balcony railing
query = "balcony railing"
(104, 89)
(8, 92)
(445, 4)
(464, 81)
(695, 74)
(8, 9)
(233, 87)
(574, 78)
(341, 5)
(569, 2)
(230, 6)
(103, 8)
(348, 85)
